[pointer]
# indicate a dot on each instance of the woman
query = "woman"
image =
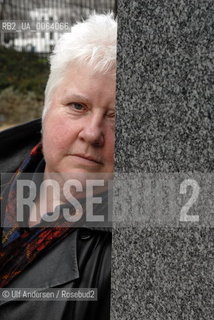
(77, 141)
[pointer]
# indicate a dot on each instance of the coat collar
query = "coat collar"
(59, 267)
(16, 143)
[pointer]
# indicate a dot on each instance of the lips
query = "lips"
(87, 158)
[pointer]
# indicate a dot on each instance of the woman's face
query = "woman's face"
(79, 126)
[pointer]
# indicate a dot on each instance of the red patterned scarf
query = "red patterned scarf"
(21, 246)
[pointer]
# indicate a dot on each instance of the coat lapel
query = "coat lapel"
(57, 267)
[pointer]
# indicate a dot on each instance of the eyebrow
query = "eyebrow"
(77, 97)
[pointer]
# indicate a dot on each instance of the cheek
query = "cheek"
(111, 146)
(57, 136)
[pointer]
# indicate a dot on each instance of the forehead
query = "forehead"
(82, 81)
(84, 72)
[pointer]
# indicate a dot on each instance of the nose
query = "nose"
(92, 131)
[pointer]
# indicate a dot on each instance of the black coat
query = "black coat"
(81, 260)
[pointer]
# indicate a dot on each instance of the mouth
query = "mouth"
(87, 159)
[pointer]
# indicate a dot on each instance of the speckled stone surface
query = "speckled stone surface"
(165, 123)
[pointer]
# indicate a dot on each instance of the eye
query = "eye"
(77, 106)
(111, 114)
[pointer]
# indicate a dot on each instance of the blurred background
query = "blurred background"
(24, 55)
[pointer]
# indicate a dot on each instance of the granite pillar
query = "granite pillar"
(165, 97)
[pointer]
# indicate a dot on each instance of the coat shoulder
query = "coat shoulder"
(16, 142)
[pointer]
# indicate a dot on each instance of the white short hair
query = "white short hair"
(92, 42)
